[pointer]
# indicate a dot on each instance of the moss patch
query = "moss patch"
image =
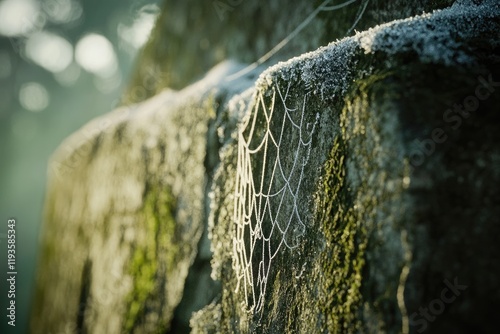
(343, 260)
(145, 264)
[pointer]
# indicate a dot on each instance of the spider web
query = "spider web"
(274, 145)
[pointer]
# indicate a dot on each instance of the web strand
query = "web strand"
(268, 182)
(323, 7)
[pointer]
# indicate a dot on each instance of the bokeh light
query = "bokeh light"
(19, 17)
(50, 51)
(95, 54)
(34, 96)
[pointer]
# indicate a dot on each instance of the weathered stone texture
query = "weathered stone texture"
(125, 212)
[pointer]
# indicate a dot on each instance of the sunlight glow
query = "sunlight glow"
(50, 51)
(19, 17)
(138, 32)
(95, 54)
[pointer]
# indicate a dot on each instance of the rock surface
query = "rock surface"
(125, 213)
(350, 189)
(192, 36)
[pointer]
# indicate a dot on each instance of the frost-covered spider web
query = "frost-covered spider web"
(274, 146)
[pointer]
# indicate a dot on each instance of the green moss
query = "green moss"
(348, 200)
(343, 260)
(145, 263)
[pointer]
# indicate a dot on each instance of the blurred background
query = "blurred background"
(62, 63)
